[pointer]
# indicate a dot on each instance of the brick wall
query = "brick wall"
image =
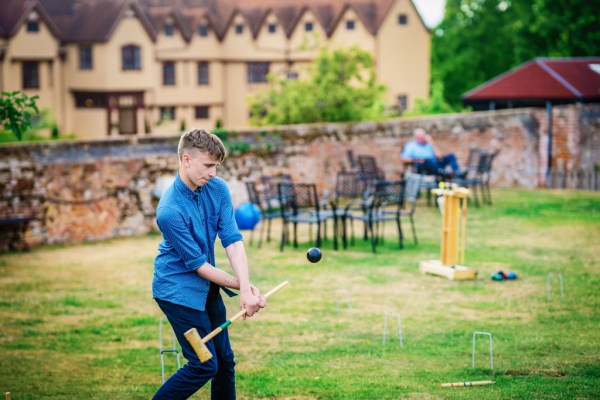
(78, 191)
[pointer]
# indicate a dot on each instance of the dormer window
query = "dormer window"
(239, 29)
(350, 25)
(33, 22)
(203, 31)
(308, 27)
(169, 30)
(402, 19)
(272, 28)
(33, 26)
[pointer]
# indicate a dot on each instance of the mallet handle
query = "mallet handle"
(462, 384)
(239, 314)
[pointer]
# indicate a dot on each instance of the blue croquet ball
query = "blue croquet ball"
(314, 255)
(511, 275)
(247, 216)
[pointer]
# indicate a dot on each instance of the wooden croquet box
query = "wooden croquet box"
(455, 272)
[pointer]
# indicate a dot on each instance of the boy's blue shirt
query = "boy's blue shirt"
(190, 222)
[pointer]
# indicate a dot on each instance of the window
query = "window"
(402, 102)
(203, 31)
(272, 28)
(239, 29)
(31, 75)
(203, 73)
(85, 57)
(257, 71)
(168, 73)
(308, 27)
(350, 25)
(201, 112)
(403, 19)
(33, 26)
(131, 58)
(169, 30)
(167, 113)
(90, 100)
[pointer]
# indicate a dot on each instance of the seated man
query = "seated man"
(427, 159)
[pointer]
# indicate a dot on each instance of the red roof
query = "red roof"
(546, 79)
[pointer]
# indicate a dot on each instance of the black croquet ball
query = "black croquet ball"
(314, 255)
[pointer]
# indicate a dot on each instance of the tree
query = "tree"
(480, 39)
(471, 45)
(16, 110)
(341, 86)
(436, 104)
(557, 28)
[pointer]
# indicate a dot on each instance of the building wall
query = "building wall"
(403, 55)
(91, 190)
(402, 59)
(41, 47)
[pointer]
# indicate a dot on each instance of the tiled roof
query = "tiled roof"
(545, 79)
(94, 20)
(13, 13)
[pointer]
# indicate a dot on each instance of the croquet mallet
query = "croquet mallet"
(199, 344)
(463, 384)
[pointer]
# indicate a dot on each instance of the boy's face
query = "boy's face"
(199, 166)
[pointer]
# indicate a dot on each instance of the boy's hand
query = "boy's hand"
(251, 302)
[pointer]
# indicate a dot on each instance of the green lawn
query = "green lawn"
(79, 322)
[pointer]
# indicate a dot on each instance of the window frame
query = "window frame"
(30, 75)
(202, 112)
(131, 57)
(257, 71)
(86, 61)
(32, 26)
(171, 111)
(203, 30)
(169, 75)
(203, 73)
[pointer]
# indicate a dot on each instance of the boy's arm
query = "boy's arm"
(250, 297)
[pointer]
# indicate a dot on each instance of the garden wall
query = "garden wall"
(92, 190)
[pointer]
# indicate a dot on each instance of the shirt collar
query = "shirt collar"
(184, 190)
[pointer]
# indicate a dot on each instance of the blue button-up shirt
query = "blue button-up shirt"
(190, 222)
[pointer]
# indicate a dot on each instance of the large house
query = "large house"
(111, 67)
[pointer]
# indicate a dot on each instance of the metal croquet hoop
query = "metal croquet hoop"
(385, 318)
(475, 334)
(549, 285)
(342, 295)
(173, 348)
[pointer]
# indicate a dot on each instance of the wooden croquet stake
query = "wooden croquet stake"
(464, 384)
(199, 344)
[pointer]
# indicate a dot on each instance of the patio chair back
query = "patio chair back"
(295, 198)
(413, 183)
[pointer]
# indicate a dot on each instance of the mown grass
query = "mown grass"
(78, 321)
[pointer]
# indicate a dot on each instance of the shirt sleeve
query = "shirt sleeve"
(177, 233)
(227, 227)
(407, 151)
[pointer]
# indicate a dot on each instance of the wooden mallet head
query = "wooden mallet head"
(199, 344)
